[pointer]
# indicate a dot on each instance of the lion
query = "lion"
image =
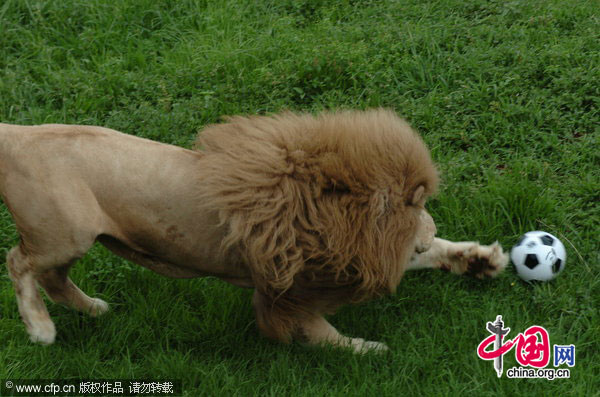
(312, 212)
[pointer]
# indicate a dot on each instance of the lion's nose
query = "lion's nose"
(421, 248)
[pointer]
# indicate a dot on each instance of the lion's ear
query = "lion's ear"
(418, 195)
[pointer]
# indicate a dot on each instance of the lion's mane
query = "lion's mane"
(318, 206)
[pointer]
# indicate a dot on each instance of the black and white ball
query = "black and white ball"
(538, 256)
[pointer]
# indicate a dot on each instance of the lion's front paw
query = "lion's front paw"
(361, 346)
(477, 260)
(98, 307)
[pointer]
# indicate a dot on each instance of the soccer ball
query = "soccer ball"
(538, 256)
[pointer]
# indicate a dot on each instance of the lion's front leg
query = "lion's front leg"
(284, 321)
(465, 257)
(317, 331)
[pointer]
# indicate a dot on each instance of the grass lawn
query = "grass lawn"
(505, 93)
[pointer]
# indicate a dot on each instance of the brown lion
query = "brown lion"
(311, 212)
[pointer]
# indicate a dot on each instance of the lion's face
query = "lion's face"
(425, 232)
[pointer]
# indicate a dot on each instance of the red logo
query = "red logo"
(532, 347)
(532, 351)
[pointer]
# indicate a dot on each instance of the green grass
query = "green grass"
(505, 93)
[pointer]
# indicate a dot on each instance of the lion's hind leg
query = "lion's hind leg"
(61, 289)
(31, 306)
(58, 221)
(29, 271)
